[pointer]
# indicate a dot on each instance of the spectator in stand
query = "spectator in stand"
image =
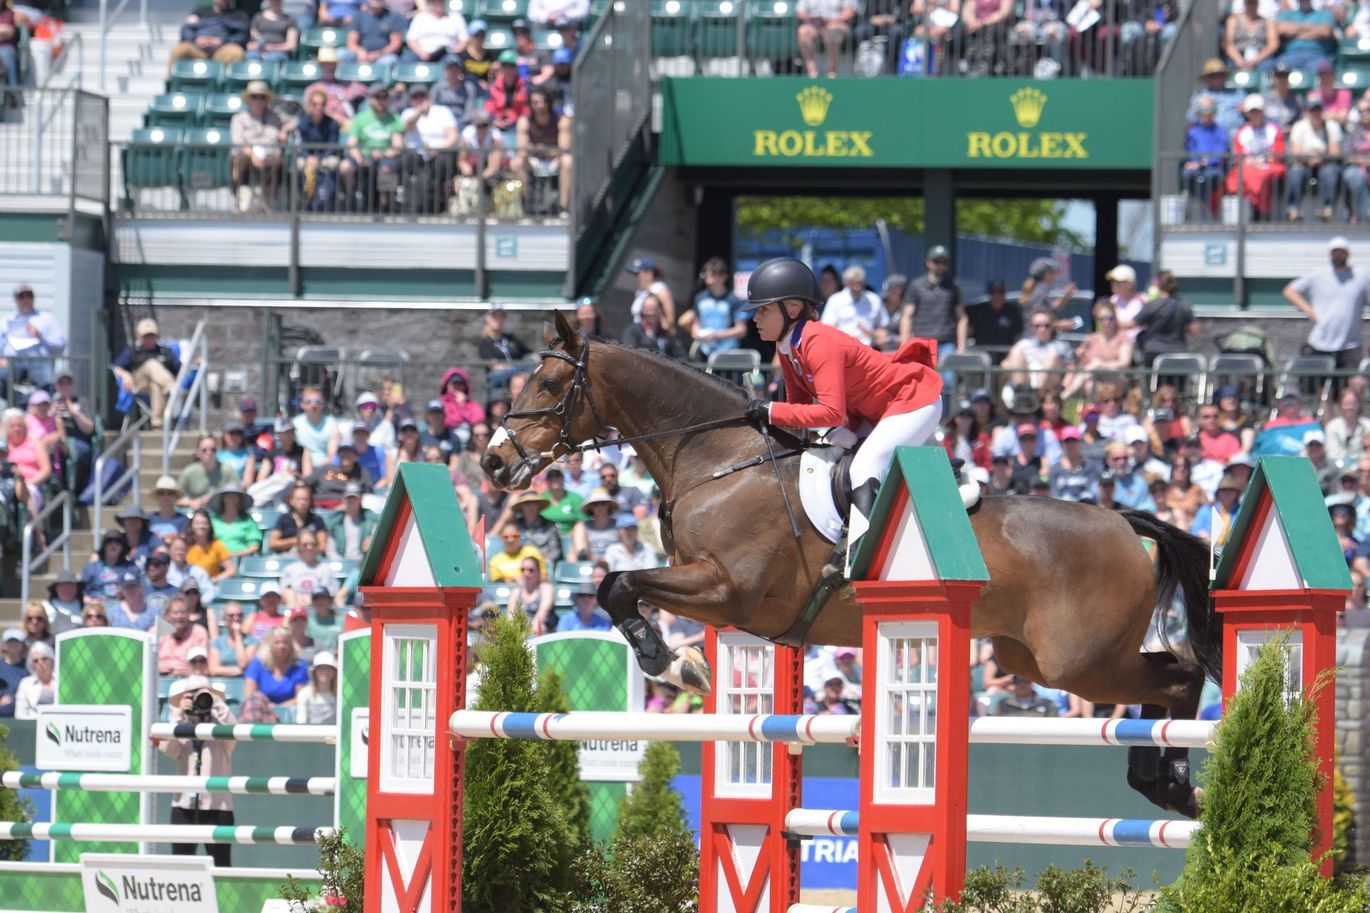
(1338, 102)
(1347, 430)
(558, 14)
(375, 141)
(1130, 488)
(316, 431)
(1214, 521)
(297, 622)
(483, 149)
(141, 541)
(272, 34)
(434, 32)
(375, 35)
(629, 553)
(381, 431)
(1184, 496)
(455, 390)
(37, 626)
(1283, 106)
(205, 551)
(1025, 467)
(235, 452)
(233, 526)
(216, 31)
(507, 99)
(1315, 449)
(350, 529)
(855, 309)
(131, 610)
(342, 96)
(532, 596)
(174, 646)
(78, 427)
(496, 346)
(505, 566)
(1228, 101)
(525, 512)
(317, 702)
(455, 92)
(325, 625)
(39, 687)
(157, 589)
(65, 598)
(1114, 422)
(647, 332)
(1208, 144)
(374, 460)
(535, 64)
(1165, 322)
(48, 432)
(1250, 40)
(592, 538)
(318, 135)
(101, 575)
(578, 478)
(997, 323)
(1308, 35)
(986, 25)
(337, 12)
(437, 434)
(331, 481)
(650, 282)
(563, 506)
(1038, 360)
(476, 59)
(181, 573)
(1215, 443)
(1074, 477)
(1144, 459)
(892, 292)
(629, 499)
(149, 367)
(543, 144)
(232, 650)
(286, 464)
(268, 616)
(276, 672)
(1315, 145)
(298, 516)
(1127, 303)
(934, 309)
(408, 451)
(12, 670)
(588, 616)
(1334, 300)
(9, 66)
(29, 334)
(1260, 144)
(713, 320)
(963, 437)
(1023, 700)
(558, 82)
(1231, 416)
(1356, 150)
(202, 478)
(826, 22)
(301, 577)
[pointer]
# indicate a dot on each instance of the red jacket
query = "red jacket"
(505, 105)
(833, 379)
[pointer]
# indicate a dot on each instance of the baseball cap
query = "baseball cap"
(346, 444)
(1162, 414)
(189, 584)
(195, 653)
(367, 398)
(327, 54)
(1122, 273)
(520, 24)
(1135, 435)
(130, 578)
(1338, 242)
(1069, 433)
(641, 263)
(964, 407)
(38, 397)
(352, 490)
(247, 404)
(1026, 429)
(324, 658)
(378, 89)
(146, 326)
(938, 252)
(419, 91)
(321, 590)
(563, 55)
(980, 394)
(234, 428)
(585, 588)
(408, 423)
(23, 288)
(477, 25)
(298, 611)
(13, 634)
(509, 56)
(1243, 459)
(1314, 436)
(626, 520)
(161, 556)
(269, 588)
(894, 281)
(435, 405)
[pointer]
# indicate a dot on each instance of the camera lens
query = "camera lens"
(203, 702)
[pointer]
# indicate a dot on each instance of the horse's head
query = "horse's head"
(555, 411)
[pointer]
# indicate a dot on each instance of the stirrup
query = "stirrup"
(835, 568)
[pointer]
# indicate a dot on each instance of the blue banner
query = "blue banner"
(1282, 440)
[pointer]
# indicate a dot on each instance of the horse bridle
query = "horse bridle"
(565, 409)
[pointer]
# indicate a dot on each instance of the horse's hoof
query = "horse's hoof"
(690, 670)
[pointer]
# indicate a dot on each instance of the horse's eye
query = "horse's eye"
(548, 386)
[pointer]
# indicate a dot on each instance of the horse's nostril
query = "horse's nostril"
(492, 462)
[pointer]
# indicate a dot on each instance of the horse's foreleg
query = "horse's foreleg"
(697, 590)
(1163, 777)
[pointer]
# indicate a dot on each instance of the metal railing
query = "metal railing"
(1257, 193)
(72, 48)
(29, 561)
(118, 446)
(760, 37)
(35, 156)
(107, 21)
(195, 366)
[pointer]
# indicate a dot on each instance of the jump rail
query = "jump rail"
(1171, 834)
(165, 833)
(577, 726)
(138, 783)
(247, 732)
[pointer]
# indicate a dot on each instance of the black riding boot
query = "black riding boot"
(862, 501)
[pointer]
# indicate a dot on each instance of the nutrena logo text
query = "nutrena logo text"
(814, 102)
(1028, 104)
(148, 884)
(84, 737)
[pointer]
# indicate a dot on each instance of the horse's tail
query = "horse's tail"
(1182, 562)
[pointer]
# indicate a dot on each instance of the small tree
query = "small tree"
(518, 846)
(342, 868)
(12, 808)
(563, 761)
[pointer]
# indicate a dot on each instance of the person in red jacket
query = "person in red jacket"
(833, 379)
(508, 98)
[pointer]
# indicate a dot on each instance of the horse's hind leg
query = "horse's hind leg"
(1172, 685)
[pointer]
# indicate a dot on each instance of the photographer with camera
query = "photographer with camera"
(194, 700)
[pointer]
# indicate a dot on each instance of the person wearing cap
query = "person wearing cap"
(370, 415)
(215, 31)
(434, 32)
(12, 668)
(32, 339)
(484, 151)
(1140, 444)
(964, 438)
(44, 428)
(435, 432)
(588, 616)
(65, 599)
(265, 619)
(1334, 299)
(1213, 76)
(77, 427)
(1328, 472)
(200, 758)
(1127, 303)
(629, 553)
(1250, 40)
(131, 610)
(542, 143)
(317, 702)
(1206, 141)
(534, 62)
(101, 574)
(375, 140)
(374, 460)
(375, 35)
(325, 624)
(236, 452)
(558, 80)
(1308, 35)
(455, 92)
(476, 59)
(288, 463)
(650, 282)
(1023, 700)
(148, 367)
(157, 588)
(431, 140)
(174, 646)
(272, 34)
(258, 134)
(1283, 105)
(297, 623)
(1315, 149)
(342, 96)
(1073, 477)
(1261, 146)
(933, 308)
(39, 687)
(350, 529)
(1214, 521)
(329, 482)
(507, 96)
(166, 520)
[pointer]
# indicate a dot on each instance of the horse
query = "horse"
(1072, 589)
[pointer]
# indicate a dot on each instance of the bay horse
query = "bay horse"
(1072, 589)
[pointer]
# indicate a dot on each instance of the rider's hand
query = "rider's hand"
(758, 412)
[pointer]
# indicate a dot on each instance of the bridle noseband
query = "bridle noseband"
(565, 409)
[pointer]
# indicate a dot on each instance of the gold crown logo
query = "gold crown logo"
(813, 104)
(1027, 106)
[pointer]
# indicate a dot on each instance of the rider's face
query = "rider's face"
(770, 321)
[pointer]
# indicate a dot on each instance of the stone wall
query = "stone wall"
(1353, 751)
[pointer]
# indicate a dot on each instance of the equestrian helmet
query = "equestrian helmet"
(780, 279)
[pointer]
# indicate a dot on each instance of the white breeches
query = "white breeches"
(911, 429)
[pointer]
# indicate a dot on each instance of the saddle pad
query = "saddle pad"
(815, 490)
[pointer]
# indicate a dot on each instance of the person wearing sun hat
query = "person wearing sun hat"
(1261, 144)
(592, 536)
(524, 510)
(257, 133)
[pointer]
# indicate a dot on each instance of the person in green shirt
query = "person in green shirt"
(205, 476)
(324, 624)
(233, 526)
(565, 508)
(375, 140)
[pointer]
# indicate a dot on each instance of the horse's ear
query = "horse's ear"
(549, 332)
(567, 333)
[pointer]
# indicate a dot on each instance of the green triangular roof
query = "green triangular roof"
(925, 472)
(441, 527)
(1290, 486)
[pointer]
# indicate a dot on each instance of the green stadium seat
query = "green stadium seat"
(343, 566)
(497, 592)
(1247, 80)
(717, 29)
(205, 156)
(572, 571)
(238, 589)
(327, 36)
(364, 73)
(266, 517)
(298, 74)
(1354, 50)
(175, 109)
(672, 28)
(503, 12)
(412, 72)
(466, 7)
(149, 159)
(219, 109)
(1355, 77)
(239, 74)
(198, 75)
(262, 566)
(772, 30)
(1302, 80)
(499, 38)
(547, 39)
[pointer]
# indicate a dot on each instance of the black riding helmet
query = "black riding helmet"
(779, 279)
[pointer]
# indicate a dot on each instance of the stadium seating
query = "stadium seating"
(205, 157)
(412, 72)
(364, 73)
(196, 75)
(149, 160)
(219, 109)
(177, 109)
(239, 74)
(262, 566)
(503, 12)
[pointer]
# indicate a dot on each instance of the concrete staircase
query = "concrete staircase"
(135, 68)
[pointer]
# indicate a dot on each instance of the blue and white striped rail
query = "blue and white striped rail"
(164, 833)
(246, 732)
(579, 726)
(811, 822)
(139, 783)
(1005, 730)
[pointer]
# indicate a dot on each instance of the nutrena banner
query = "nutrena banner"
(894, 122)
(148, 884)
(86, 737)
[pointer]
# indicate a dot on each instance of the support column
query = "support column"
(939, 212)
(713, 224)
(1105, 240)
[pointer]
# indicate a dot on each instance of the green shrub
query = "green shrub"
(1088, 889)
(12, 808)
(342, 868)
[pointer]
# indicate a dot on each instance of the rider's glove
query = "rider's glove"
(758, 413)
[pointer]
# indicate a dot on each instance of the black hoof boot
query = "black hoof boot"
(652, 655)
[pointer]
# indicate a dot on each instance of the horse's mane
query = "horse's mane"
(680, 369)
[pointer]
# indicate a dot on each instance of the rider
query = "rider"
(833, 379)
